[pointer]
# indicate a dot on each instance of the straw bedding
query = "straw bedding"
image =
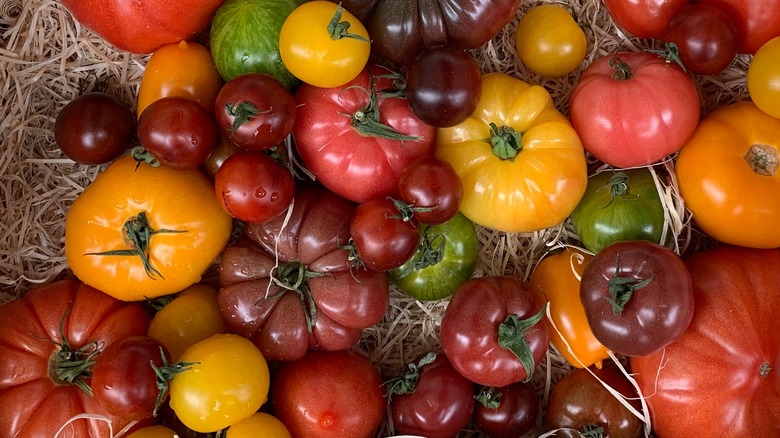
(46, 59)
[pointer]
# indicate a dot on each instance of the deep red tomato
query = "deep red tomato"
(633, 109)
(357, 140)
(757, 21)
(638, 297)
(252, 187)
(178, 132)
(492, 331)
(255, 111)
(382, 236)
(329, 395)
(57, 331)
(644, 18)
(431, 400)
(733, 346)
(507, 412)
(705, 36)
(432, 187)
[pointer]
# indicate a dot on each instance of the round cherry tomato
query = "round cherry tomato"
(644, 18)
(323, 45)
(443, 86)
(252, 187)
(549, 40)
(507, 412)
(259, 425)
(705, 37)
(638, 297)
(763, 78)
(94, 128)
(221, 152)
(329, 395)
(178, 132)
(757, 21)
(384, 238)
(227, 382)
(153, 432)
(432, 187)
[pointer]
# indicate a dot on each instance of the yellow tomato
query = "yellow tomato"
(228, 382)
(763, 78)
(183, 70)
(323, 45)
(153, 432)
(549, 41)
(145, 232)
(259, 425)
(521, 163)
(728, 176)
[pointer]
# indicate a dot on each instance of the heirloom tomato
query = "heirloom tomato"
(521, 164)
(432, 189)
(356, 139)
(637, 296)
(732, 344)
(757, 21)
(634, 108)
(620, 205)
(56, 333)
(556, 280)
(492, 332)
(705, 39)
(154, 432)
(401, 29)
(763, 78)
(550, 41)
(728, 176)
(644, 18)
(446, 257)
(181, 70)
(140, 232)
(259, 425)
(288, 285)
(383, 237)
(507, 412)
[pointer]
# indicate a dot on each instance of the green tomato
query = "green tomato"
(446, 257)
(619, 205)
(244, 38)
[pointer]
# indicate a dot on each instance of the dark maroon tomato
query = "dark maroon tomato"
(443, 86)
(507, 412)
(705, 36)
(579, 404)
(638, 297)
(178, 132)
(433, 189)
(94, 128)
(124, 382)
(383, 238)
(221, 152)
(252, 187)
(255, 111)
(432, 400)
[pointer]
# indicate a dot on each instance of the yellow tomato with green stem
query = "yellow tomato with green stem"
(521, 163)
(323, 45)
(550, 41)
(763, 78)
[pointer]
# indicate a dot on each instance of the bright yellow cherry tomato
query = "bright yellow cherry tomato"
(153, 432)
(323, 45)
(549, 41)
(228, 382)
(259, 425)
(763, 78)
(192, 316)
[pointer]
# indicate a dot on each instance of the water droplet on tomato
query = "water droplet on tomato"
(274, 196)
(260, 193)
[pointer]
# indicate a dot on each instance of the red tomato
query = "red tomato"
(329, 395)
(53, 326)
(433, 188)
(723, 375)
(507, 412)
(644, 18)
(356, 140)
(705, 36)
(384, 239)
(757, 21)
(633, 109)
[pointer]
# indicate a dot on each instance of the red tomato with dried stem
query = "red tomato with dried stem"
(644, 18)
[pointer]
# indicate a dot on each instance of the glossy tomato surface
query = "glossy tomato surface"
(757, 21)
(432, 187)
(644, 18)
(705, 36)
(383, 238)
(763, 80)
(549, 40)
(507, 412)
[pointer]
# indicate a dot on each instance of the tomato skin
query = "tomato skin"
(644, 18)
(636, 121)
(32, 402)
(432, 183)
(259, 425)
(382, 238)
(763, 79)
(732, 336)
(94, 128)
(153, 432)
(515, 415)
(549, 41)
(706, 38)
(302, 395)
(757, 21)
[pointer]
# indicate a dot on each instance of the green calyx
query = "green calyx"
(489, 397)
(338, 29)
(618, 188)
(407, 383)
(164, 375)
(141, 155)
(511, 335)
(293, 277)
(622, 70)
(621, 289)
(592, 431)
(367, 121)
(73, 366)
(242, 113)
(505, 141)
(431, 250)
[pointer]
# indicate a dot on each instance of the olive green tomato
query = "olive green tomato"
(446, 257)
(244, 38)
(619, 205)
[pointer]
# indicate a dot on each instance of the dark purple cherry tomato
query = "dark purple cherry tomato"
(224, 149)
(507, 412)
(252, 187)
(432, 187)
(255, 111)
(443, 86)
(705, 36)
(94, 128)
(383, 238)
(178, 132)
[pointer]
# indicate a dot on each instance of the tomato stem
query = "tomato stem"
(164, 375)
(141, 155)
(622, 70)
(671, 52)
(511, 335)
(621, 289)
(618, 188)
(592, 431)
(406, 210)
(489, 396)
(294, 277)
(506, 142)
(338, 29)
(367, 121)
(242, 113)
(431, 250)
(407, 383)
(71, 366)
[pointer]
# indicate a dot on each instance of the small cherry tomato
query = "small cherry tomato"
(259, 425)
(433, 189)
(383, 236)
(507, 412)
(705, 37)
(153, 432)
(763, 78)
(550, 41)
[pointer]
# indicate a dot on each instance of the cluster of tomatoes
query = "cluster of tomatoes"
(317, 176)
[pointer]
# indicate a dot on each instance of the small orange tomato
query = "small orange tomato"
(153, 432)
(185, 69)
(259, 425)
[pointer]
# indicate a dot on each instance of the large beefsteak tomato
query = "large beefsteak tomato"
(722, 377)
